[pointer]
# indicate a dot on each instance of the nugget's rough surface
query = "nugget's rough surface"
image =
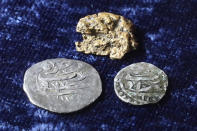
(106, 34)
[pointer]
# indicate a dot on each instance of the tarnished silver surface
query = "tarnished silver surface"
(140, 83)
(62, 85)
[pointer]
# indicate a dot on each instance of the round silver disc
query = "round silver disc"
(140, 83)
(62, 85)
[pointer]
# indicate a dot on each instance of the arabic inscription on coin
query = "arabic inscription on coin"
(140, 83)
(62, 85)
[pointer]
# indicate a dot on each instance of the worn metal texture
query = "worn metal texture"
(140, 83)
(62, 85)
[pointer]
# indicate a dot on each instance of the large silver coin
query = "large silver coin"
(140, 83)
(62, 85)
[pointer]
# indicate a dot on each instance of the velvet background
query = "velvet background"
(32, 31)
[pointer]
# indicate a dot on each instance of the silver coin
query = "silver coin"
(62, 85)
(140, 83)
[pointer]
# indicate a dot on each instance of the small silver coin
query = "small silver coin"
(62, 85)
(140, 83)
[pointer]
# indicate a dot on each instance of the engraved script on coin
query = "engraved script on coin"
(140, 83)
(62, 85)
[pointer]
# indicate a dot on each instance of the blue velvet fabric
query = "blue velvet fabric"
(35, 30)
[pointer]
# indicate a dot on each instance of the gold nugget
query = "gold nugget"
(106, 34)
